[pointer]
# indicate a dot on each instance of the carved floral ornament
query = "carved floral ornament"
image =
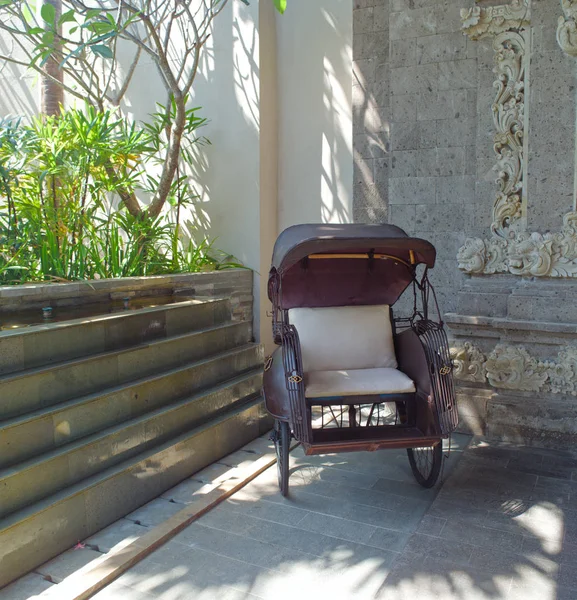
(483, 22)
(567, 27)
(512, 249)
(513, 368)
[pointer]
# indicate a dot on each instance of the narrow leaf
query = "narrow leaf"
(280, 5)
(67, 17)
(102, 51)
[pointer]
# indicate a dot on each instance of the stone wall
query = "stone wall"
(464, 131)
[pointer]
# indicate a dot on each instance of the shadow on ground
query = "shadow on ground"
(502, 526)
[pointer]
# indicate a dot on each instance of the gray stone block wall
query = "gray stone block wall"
(425, 160)
(415, 131)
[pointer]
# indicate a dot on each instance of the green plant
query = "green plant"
(73, 46)
(58, 202)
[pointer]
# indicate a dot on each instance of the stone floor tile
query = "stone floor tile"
(179, 581)
(239, 459)
(373, 498)
(436, 548)
(386, 464)
(121, 592)
(116, 536)
(492, 480)
(26, 587)
(567, 576)
(344, 506)
(431, 525)
(268, 511)
(195, 570)
(492, 559)
(255, 552)
(545, 547)
(215, 473)
(405, 489)
(480, 536)
(67, 563)
(225, 519)
(521, 460)
(388, 539)
(548, 484)
(261, 445)
(484, 499)
(345, 529)
(529, 584)
(443, 508)
(304, 473)
(154, 512)
(184, 492)
(550, 470)
(291, 537)
(359, 581)
(538, 522)
(416, 578)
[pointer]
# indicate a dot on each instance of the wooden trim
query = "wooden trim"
(364, 255)
(369, 446)
(86, 582)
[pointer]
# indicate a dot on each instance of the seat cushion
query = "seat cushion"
(345, 337)
(357, 382)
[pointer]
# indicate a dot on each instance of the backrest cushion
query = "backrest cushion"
(345, 337)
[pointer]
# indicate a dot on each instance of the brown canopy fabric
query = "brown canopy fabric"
(299, 241)
(345, 280)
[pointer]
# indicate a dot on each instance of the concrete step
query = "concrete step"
(33, 389)
(31, 536)
(51, 343)
(39, 477)
(40, 431)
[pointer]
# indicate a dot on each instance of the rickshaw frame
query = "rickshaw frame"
(356, 265)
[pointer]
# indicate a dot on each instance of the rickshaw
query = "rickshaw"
(349, 374)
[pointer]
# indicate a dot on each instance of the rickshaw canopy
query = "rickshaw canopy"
(339, 278)
(300, 241)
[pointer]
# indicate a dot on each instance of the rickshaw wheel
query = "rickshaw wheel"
(426, 463)
(282, 443)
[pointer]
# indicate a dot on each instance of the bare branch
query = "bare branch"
(128, 78)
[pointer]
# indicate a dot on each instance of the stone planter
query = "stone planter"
(234, 284)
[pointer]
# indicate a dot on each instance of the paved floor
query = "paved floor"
(502, 527)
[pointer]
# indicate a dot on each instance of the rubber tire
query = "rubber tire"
(282, 446)
(431, 479)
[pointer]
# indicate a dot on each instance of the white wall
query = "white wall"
(280, 126)
(227, 90)
(18, 87)
(315, 126)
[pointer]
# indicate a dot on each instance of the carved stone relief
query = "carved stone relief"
(512, 249)
(567, 27)
(468, 363)
(513, 368)
(526, 254)
(483, 22)
(508, 117)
